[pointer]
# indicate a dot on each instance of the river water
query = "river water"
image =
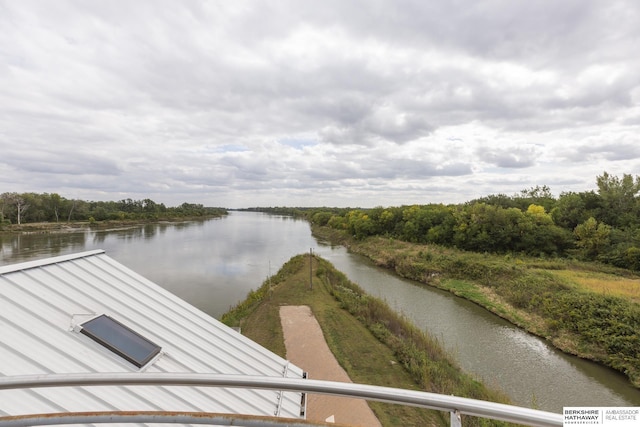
(214, 264)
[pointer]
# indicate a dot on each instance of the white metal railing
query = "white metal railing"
(456, 406)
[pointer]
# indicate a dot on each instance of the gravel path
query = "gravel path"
(307, 349)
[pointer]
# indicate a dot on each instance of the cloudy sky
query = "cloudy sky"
(316, 103)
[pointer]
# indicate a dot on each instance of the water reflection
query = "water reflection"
(212, 264)
(19, 247)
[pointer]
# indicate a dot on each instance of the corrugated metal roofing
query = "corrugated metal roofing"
(43, 304)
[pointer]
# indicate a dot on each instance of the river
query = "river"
(214, 264)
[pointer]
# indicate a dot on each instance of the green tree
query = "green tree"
(632, 258)
(360, 224)
(426, 223)
(482, 228)
(5, 202)
(592, 238)
(38, 210)
(543, 236)
(415, 226)
(16, 206)
(389, 220)
(338, 222)
(570, 210)
(321, 218)
(538, 195)
(501, 200)
(620, 208)
(54, 205)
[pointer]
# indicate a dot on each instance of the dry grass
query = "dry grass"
(602, 283)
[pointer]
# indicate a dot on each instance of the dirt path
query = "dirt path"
(307, 349)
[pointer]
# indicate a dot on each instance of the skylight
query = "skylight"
(121, 340)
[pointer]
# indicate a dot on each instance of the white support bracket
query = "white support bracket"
(456, 419)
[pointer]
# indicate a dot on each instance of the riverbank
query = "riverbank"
(587, 310)
(77, 226)
(372, 343)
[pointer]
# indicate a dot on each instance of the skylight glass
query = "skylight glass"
(121, 340)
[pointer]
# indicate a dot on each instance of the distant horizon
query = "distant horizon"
(273, 206)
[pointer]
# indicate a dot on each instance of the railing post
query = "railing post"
(456, 419)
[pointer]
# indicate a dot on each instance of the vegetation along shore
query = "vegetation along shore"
(370, 341)
(45, 212)
(584, 309)
(565, 268)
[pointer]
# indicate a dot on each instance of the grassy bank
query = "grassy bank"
(589, 310)
(371, 342)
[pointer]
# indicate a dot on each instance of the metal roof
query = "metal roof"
(44, 303)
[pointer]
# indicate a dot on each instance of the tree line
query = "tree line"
(602, 225)
(20, 208)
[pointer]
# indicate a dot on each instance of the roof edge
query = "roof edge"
(47, 261)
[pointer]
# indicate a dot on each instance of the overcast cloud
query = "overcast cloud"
(307, 103)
